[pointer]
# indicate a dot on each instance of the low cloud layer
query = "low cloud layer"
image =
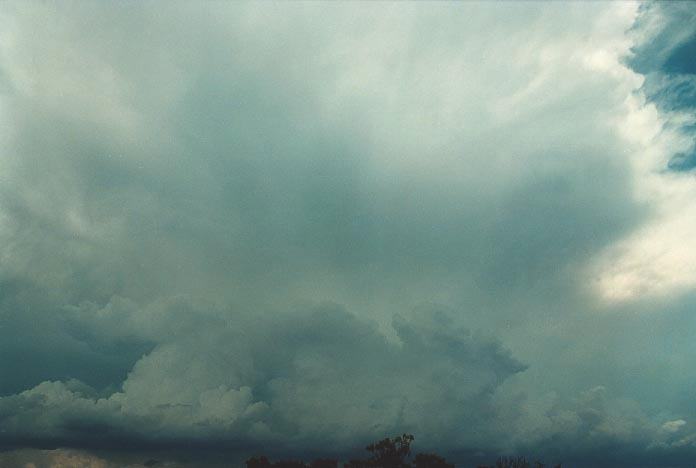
(320, 374)
(298, 227)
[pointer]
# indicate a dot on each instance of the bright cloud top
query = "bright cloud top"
(659, 259)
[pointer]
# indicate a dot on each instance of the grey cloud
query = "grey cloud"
(668, 29)
(267, 173)
(664, 54)
(319, 374)
(180, 183)
(36, 345)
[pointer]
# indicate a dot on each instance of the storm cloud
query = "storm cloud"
(301, 227)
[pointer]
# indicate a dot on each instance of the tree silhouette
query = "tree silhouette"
(260, 462)
(430, 460)
(289, 464)
(324, 463)
(263, 462)
(512, 462)
(386, 453)
(515, 462)
(389, 453)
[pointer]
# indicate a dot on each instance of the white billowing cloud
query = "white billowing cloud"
(673, 426)
(321, 374)
(336, 380)
(590, 418)
(659, 258)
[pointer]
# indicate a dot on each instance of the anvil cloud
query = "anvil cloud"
(299, 227)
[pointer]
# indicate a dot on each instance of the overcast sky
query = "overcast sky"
(294, 228)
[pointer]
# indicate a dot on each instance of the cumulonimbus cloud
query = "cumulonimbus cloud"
(184, 189)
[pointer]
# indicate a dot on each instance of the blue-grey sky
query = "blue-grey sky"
(228, 228)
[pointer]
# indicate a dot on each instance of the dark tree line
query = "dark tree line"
(390, 453)
(516, 462)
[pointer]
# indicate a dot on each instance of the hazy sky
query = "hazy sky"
(228, 228)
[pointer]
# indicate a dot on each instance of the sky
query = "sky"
(295, 228)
